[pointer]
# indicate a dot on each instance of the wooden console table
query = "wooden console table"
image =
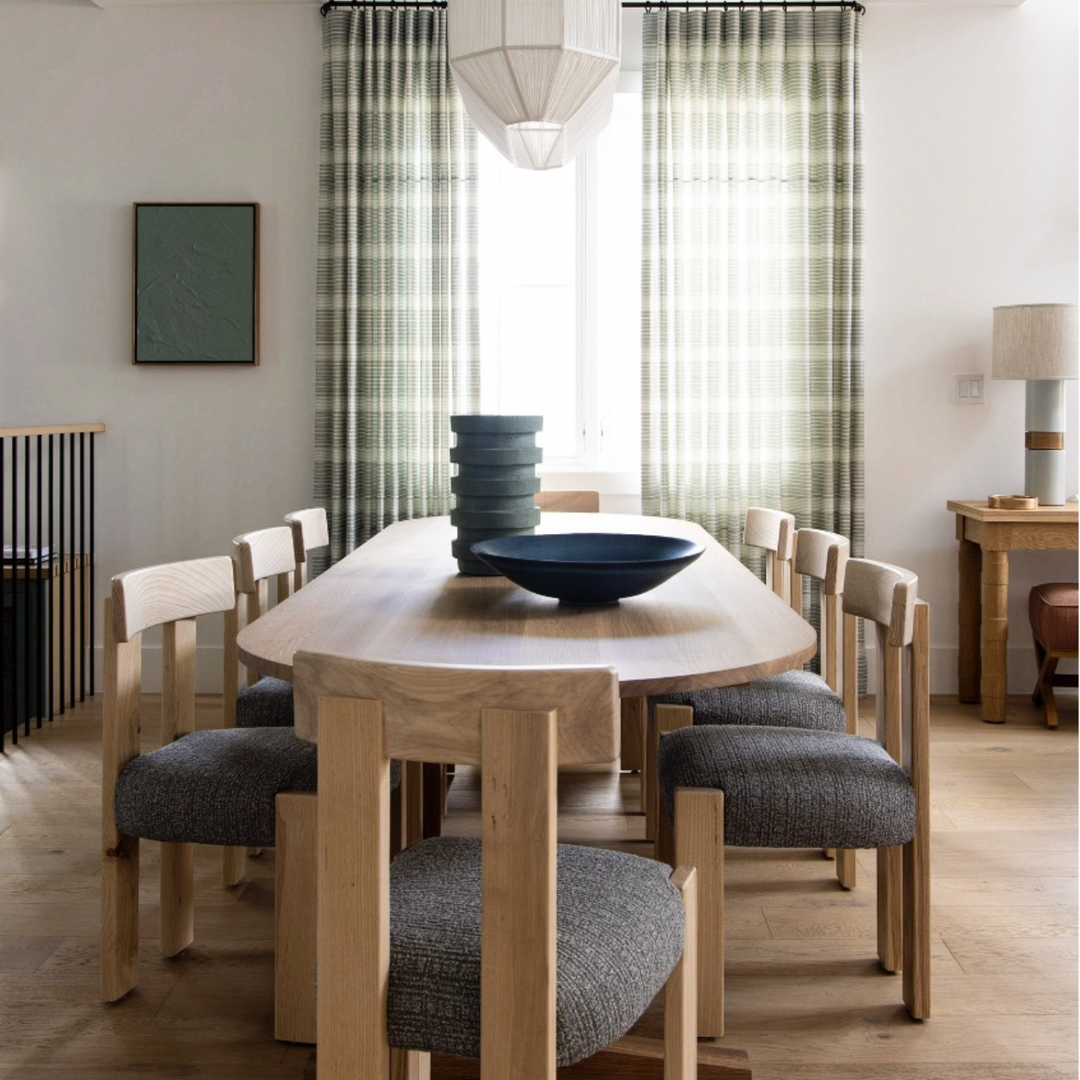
(986, 537)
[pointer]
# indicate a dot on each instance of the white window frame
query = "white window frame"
(592, 466)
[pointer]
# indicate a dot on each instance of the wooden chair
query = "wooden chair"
(310, 532)
(208, 787)
(279, 554)
(252, 700)
(1052, 609)
(796, 788)
(579, 502)
(467, 965)
(793, 699)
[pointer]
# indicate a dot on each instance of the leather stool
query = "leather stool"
(1052, 608)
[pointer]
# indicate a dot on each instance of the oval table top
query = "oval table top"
(399, 597)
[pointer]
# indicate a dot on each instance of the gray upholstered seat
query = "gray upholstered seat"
(792, 787)
(267, 703)
(619, 936)
(798, 699)
(214, 787)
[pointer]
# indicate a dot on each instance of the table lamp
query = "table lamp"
(1037, 342)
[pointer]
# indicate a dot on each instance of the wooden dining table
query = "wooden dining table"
(399, 597)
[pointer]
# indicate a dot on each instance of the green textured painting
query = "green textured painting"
(196, 272)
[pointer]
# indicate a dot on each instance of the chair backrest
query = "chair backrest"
(511, 723)
(259, 556)
(171, 596)
(823, 556)
(310, 531)
(773, 530)
(580, 502)
(887, 598)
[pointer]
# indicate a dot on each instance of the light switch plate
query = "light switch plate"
(967, 390)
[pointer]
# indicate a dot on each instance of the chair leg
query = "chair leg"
(680, 992)
(699, 842)
(409, 1065)
(916, 978)
(890, 923)
(295, 916)
(845, 867)
(233, 860)
(665, 718)
(177, 897)
(412, 774)
(120, 919)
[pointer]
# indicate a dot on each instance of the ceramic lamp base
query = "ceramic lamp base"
(1044, 456)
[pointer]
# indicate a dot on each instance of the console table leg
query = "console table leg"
(995, 635)
(969, 666)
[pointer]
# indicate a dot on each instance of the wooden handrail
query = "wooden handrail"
(51, 429)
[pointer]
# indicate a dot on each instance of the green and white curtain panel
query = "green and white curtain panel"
(397, 323)
(752, 337)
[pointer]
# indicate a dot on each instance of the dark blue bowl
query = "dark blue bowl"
(588, 568)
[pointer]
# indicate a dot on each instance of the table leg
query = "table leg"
(632, 737)
(432, 810)
(995, 635)
(969, 665)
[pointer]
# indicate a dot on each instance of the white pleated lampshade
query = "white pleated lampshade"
(537, 77)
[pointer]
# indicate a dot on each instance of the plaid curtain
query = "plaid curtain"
(397, 322)
(752, 337)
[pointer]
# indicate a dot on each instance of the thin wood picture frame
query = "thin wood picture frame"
(195, 283)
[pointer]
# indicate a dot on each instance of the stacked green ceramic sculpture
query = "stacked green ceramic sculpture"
(496, 484)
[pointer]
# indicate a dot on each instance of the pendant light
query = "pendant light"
(537, 77)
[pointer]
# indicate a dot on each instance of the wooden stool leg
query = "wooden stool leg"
(1040, 667)
(1046, 688)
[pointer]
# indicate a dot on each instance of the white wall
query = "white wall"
(971, 201)
(103, 108)
(971, 153)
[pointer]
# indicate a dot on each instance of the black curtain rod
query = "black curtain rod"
(331, 4)
(648, 5)
(742, 5)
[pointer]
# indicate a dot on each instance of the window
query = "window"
(560, 296)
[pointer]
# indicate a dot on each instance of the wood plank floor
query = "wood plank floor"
(805, 996)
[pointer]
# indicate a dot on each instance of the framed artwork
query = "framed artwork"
(196, 283)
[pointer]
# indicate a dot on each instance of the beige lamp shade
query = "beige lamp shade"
(1035, 341)
(537, 77)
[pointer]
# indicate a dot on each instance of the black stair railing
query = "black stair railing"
(47, 526)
